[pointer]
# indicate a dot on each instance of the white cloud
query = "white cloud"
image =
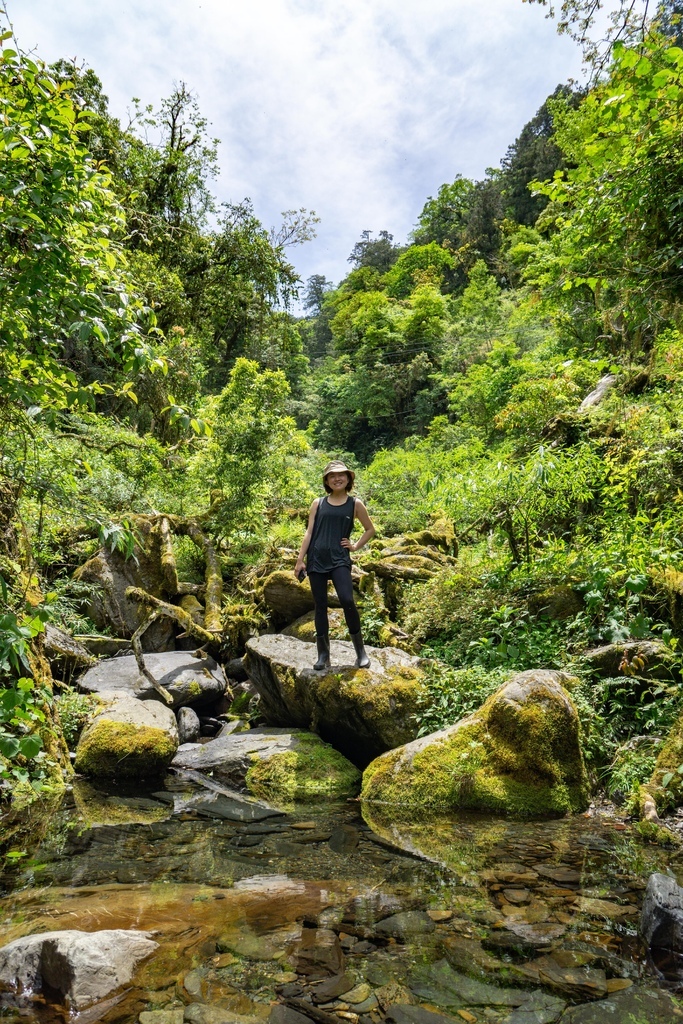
(358, 111)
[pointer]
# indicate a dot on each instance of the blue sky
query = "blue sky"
(358, 110)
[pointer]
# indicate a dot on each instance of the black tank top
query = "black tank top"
(332, 523)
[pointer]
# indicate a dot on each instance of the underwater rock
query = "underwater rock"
(541, 1008)
(128, 739)
(274, 764)
(189, 680)
(189, 725)
(405, 924)
(84, 967)
(633, 1004)
(438, 983)
(363, 712)
(518, 754)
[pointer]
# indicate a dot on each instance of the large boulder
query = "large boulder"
(303, 628)
(84, 967)
(646, 659)
(362, 712)
(189, 680)
(274, 764)
(666, 785)
(518, 754)
(661, 921)
(286, 598)
(110, 573)
(129, 738)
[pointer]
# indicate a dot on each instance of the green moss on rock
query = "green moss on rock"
(519, 754)
(308, 773)
(124, 750)
(666, 784)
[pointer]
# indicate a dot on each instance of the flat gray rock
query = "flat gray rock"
(636, 1004)
(541, 1008)
(84, 967)
(230, 757)
(661, 922)
(189, 680)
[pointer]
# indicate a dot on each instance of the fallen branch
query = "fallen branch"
(172, 611)
(139, 656)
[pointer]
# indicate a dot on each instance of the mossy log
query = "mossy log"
(214, 576)
(179, 615)
(169, 569)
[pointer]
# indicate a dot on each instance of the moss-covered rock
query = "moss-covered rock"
(666, 784)
(519, 754)
(278, 765)
(311, 771)
(128, 739)
(303, 628)
(561, 602)
(362, 712)
(640, 659)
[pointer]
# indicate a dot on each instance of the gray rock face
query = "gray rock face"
(189, 725)
(83, 966)
(661, 922)
(67, 656)
(112, 574)
(230, 757)
(128, 738)
(189, 680)
(362, 712)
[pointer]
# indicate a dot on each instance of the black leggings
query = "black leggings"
(341, 577)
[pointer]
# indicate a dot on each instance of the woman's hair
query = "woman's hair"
(349, 484)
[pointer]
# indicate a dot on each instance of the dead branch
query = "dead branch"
(140, 659)
(172, 611)
(214, 576)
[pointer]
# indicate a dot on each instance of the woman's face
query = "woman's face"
(337, 481)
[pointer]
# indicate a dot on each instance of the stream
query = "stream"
(341, 912)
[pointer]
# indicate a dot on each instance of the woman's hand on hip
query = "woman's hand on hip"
(348, 544)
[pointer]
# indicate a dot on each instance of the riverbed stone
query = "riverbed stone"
(189, 680)
(406, 924)
(189, 726)
(66, 654)
(652, 659)
(407, 1013)
(362, 712)
(129, 738)
(520, 754)
(84, 967)
(274, 764)
(438, 983)
(661, 922)
(637, 1004)
(540, 1008)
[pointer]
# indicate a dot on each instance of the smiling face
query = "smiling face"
(338, 481)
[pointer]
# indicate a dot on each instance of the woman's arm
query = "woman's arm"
(361, 513)
(307, 538)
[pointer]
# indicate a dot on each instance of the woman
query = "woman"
(330, 522)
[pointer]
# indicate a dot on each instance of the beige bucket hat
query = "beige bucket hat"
(337, 467)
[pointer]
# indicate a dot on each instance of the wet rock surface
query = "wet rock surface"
(188, 679)
(362, 711)
(322, 915)
(83, 967)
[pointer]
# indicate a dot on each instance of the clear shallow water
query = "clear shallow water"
(251, 911)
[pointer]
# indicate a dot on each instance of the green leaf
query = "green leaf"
(666, 779)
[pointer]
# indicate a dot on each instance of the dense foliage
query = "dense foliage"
(150, 363)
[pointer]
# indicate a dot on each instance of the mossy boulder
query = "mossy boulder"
(129, 738)
(641, 659)
(561, 602)
(519, 754)
(278, 765)
(362, 712)
(303, 628)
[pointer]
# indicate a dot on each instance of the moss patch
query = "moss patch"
(123, 750)
(666, 784)
(312, 771)
(518, 754)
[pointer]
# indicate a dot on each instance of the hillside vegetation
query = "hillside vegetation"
(151, 366)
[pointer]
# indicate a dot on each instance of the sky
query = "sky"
(357, 110)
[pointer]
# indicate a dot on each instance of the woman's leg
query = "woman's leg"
(341, 577)
(318, 581)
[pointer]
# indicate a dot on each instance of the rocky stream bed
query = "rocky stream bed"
(335, 914)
